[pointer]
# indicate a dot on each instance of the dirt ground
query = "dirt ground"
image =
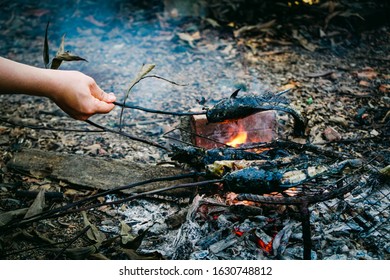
(335, 65)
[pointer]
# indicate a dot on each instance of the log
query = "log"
(95, 173)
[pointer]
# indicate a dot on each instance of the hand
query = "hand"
(75, 93)
(78, 94)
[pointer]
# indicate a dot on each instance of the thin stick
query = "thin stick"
(159, 111)
(306, 231)
(47, 128)
(51, 213)
(164, 79)
(82, 232)
(132, 137)
(138, 195)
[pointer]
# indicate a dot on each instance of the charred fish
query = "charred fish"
(237, 107)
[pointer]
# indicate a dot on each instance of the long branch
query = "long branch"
(159, 111)
(132, 137)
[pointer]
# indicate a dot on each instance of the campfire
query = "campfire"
(265, 196)
(236, 178)
(252, 195)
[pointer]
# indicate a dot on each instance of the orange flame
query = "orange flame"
(240, 138)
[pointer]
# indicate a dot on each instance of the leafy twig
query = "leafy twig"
(145, 69)
(61, 55)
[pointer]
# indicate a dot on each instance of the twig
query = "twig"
(193, 134)
(53, 212)
(164, 79)
(132, 137)
(47, 128)
(306, 230)
(320, 74)
(138, 195)
(159, 111)
(101, 129)
(72, 241)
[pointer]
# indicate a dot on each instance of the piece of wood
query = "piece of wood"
(95, 173)
(260, 127)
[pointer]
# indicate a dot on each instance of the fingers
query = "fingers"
(103, 102)
(107, 97)
(102, 107)
(100, 94)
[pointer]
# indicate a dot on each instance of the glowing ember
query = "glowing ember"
(267, 247)
(239, 139)
(238, 232)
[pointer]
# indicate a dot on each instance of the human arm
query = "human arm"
(74, 92)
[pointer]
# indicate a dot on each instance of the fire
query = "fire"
(240, 138)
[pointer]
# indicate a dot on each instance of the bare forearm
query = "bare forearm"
(75, 93)
(18, 78)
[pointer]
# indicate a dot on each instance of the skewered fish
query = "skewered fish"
(257, 180)
(237, 107)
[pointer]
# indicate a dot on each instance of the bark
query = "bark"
(91, 172)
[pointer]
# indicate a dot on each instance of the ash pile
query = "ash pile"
(276, 200)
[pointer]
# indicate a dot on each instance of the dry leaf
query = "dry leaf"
(364, 83)
(189, 38)
(37, 206)
(66, 56)
(93, 149)
(384, 88)
(261, 27)
(385, 171)
(93, 233)
(46, 48)
(61, 48)
(145, 69)
(212, 22)
(339, 120)
(92, 20)
(368, 74)
(331, 134)
(126, 236)
(290, 85)
(303, 41)
(7, 217)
